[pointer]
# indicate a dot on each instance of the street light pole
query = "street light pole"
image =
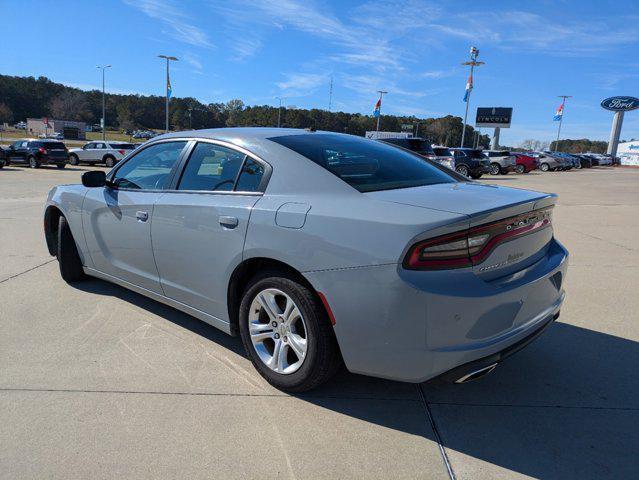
(168, 90)
(103, 102)
(474, 53)
(561, 118)
(379, 116)
(279, 112)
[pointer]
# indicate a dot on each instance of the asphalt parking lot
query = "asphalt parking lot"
(97, 381)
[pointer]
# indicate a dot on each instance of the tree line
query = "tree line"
(29, 97)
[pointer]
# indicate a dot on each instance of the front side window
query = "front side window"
(150, 169)
(211, 168)
(364, 164)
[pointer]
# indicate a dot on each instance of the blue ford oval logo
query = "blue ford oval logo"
(620, 104)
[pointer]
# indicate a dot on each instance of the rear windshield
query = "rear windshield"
(414, 144)
(122, 146)
(50, 145)
(442, 152)
(366, 165)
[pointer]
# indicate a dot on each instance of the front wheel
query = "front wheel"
(495, 169)
(33, 162)
(520, 169)
(67, 253)
(544, 167)
(109, 161)
(287, 334)
(463, 170)
(74, 160)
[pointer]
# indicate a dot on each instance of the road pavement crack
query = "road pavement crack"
(26, 271)
(438, 437)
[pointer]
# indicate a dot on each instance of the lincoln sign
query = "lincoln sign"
(620, 104)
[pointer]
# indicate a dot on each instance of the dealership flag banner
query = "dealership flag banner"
(169, 90)
(378, 108)
(469, 87)
(559, 112)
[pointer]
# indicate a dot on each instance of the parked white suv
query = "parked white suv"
(108, 153)
(501, 161)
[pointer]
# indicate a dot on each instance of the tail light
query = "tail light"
(121, 152)
(42, 150)
(471, 247)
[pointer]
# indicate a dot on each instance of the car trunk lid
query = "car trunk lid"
(505, 208)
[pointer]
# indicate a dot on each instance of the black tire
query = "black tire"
(495, 169)
(33, 162)
(61, 165)
(462, 170)
(109, 161)
(74, 160)
(67, 254)
(476, 176)
(544, 167)
(322, 359)
(520, 169)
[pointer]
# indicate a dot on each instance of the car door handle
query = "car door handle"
(142, 216)
(228, 222)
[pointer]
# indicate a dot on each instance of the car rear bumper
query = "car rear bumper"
(415, 325)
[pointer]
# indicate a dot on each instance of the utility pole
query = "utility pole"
(474, 53)
(330, 94)
(379, 115)
(168, 90)
(561, 118)
(279, 112)
(103, 122)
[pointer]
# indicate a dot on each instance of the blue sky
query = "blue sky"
(257, 50)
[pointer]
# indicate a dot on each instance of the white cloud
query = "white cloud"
(301, 84)
(179, 25)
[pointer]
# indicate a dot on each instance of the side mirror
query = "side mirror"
(94, 178)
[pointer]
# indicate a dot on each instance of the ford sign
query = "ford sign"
(620, 104)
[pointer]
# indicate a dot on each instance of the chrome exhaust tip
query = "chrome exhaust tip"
(475, 374)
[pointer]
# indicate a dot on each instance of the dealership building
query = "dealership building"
(628, 152)
(68, 128)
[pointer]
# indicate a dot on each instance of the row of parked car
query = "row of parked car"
(474, 163)
(37, 152)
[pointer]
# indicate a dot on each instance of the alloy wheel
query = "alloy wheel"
(278, 331)
(463, 170)
(494, 169)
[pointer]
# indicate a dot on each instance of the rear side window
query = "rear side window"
(122, 146)
(442, 152)
(364, 164)
(251, 176)
(50, 145)
(211, 167)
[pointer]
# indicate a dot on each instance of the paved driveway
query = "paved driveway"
(96, 381)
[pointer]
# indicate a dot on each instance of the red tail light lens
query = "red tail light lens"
(121, 152)
(42, 150)
(471, 247)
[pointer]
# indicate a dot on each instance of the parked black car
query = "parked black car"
(3, 157)
(585, 161)
(418, 145)
(38, 152)
(594, 161)
(470, 162)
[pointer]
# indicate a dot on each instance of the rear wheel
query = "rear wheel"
(462, 170)
(74, 160)
(520, 169)
(286, 333)
(495, 169)
(109, 161)
(33, 162)
(544, 167)
(67, 253)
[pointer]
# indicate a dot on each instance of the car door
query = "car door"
(19, 151)
(117, 217)
(86, 152)
(198, 228)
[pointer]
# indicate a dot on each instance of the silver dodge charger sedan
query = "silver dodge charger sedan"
(320, 250)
